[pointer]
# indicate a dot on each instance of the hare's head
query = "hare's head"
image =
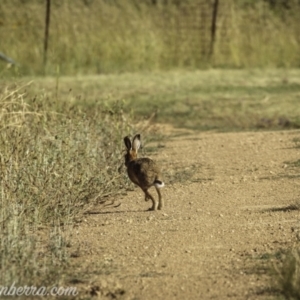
(132, 148)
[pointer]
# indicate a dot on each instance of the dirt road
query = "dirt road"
(227, 216)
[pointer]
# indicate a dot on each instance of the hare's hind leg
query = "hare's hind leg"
(149, 196)
(160, 199)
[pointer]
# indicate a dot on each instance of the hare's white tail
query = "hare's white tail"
(159, 184)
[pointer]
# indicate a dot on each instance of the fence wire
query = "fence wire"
(174, 32)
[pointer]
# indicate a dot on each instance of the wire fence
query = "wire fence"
(131, 34)
(205, 22)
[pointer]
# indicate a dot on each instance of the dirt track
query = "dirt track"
(225, 219)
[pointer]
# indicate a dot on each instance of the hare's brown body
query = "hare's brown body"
(144, 172)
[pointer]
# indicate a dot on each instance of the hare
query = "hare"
(144, 172)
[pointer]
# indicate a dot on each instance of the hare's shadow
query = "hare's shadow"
(115, 212)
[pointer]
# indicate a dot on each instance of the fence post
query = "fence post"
(47, 23)
(213, 26)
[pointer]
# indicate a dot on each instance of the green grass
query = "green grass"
(205, 100)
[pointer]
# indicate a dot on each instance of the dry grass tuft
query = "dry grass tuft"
(57, 161)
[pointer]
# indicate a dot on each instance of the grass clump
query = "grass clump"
(288, 275)
(57, 160)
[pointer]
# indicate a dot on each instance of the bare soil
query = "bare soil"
(228, 215)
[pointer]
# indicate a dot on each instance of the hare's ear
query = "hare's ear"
(136, 142)
(127, 142)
